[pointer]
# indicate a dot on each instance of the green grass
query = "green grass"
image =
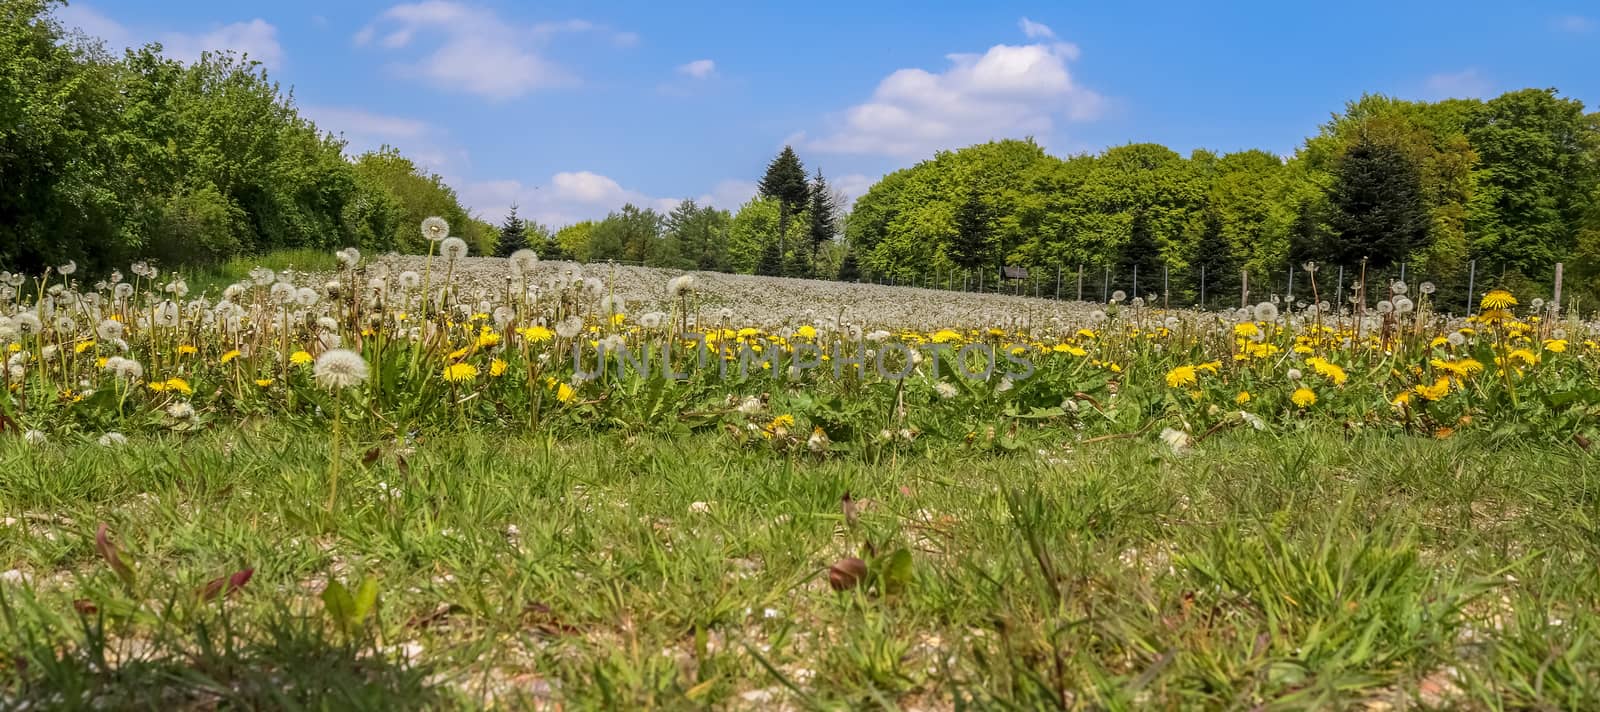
(1309, 570)
(213, 279)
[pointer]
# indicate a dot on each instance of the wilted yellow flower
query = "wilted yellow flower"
(1327, 370)
(1303, 397)
(1439, 389)
(460, 372)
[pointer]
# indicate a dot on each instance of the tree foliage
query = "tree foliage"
(106, 158)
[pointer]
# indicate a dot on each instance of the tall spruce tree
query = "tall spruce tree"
(785, 181)
(974, 235)
(1142, 251)
(1378, 208)
(824, 224)
(513, 234)
(770, 263)
(849, 269)
(1213, 260)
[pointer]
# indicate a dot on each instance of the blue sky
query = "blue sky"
(571, 109)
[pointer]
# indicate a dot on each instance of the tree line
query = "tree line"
(1511, 182)
(106, 158)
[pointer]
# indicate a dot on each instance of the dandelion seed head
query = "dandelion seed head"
(113, 439)
(338, 369)
(125, 369)
(523, 261)
(1267, 312)
(453, 248)
(435, 229)
(681, 285)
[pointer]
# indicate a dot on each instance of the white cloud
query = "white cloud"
(1009, 91)
(1576, 24)
(1035, 30)
(729, 194)
(474, 50)
(1465, 84)
(427, 145)
(853, 185)
(255, 38)
(95, 24)
(698, 69)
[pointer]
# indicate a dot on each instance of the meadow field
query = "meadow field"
(457, 482)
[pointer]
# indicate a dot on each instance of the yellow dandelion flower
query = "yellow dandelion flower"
(83, 346)
(536, 334)
(1498, 299)
(1461, 368)
(617, 319)
(187, 350)
(101, 362)
(1303, 397)
(1242, 398)
(1246, 330)
(300, 358)
(1404, 398)
(497, 368)
(487, 338)
(1181, 376)
(157, 386)
(1330, 371)
(1528, 358)
(263, 382)
(1555, 345)
(1439, 389)
(945, 336)
(460, 372)
(459, 354)
(565, 393)
(231, 355)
